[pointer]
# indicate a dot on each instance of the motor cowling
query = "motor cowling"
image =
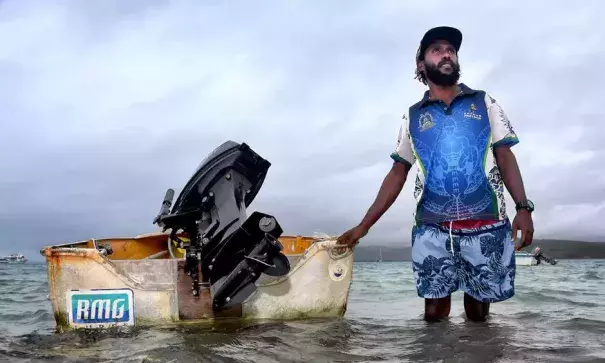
(232, 249)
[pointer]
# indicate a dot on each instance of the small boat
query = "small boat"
(13, 258)
(525, 259)
(536, 257)
(209, 260)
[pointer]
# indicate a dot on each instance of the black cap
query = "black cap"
(447, 33)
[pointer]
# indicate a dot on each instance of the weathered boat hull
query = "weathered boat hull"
(228, 264)
(91, 290)
(525, 259)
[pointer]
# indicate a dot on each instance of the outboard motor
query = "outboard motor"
(539, 256)
(232, 250)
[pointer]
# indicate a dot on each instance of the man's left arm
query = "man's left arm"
(503, 138)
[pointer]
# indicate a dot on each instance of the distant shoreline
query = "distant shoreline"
(559, 249)
(558, 259)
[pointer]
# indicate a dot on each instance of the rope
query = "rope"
(347, 251)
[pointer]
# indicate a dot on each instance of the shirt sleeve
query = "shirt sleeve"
(502, 130)
(403, 150)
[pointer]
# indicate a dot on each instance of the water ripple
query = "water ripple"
(556, 315)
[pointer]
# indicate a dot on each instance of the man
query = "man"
(461, 139)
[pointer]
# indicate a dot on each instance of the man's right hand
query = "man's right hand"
(389, 190)
(351, 237)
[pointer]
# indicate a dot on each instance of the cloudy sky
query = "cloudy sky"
(106, 104)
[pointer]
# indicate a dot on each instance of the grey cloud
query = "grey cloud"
(107, 105)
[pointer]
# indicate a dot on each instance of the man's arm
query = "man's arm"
(392, 184)
(503, 138)
(511, 175)
(403, 157)
(388, 193)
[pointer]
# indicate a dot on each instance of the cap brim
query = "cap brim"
(447, 33)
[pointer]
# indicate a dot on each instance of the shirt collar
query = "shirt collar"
(464, 90)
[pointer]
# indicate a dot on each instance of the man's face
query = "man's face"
(440, 64)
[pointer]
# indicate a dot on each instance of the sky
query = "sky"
(106, 104)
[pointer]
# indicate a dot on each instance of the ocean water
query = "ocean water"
(557, 315)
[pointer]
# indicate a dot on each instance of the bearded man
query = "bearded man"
(461, 139)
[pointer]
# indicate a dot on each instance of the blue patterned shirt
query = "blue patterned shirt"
(458, 178)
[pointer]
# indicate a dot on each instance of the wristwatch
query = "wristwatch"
(526, 204)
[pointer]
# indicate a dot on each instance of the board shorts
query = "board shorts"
(482, 263)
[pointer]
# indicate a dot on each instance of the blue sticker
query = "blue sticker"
(100, 308)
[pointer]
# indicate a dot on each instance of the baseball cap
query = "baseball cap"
(447, 33)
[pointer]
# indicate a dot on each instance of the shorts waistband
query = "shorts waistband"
(445, 227)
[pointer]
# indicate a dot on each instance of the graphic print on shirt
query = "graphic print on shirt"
(497, 184)
(452, 152)
(458, 176)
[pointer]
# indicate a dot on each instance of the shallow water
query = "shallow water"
(557, 314)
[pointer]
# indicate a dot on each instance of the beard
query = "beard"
(439, 78)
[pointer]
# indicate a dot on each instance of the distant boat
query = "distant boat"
(379, 255)
(13, 258)
(533, 258)
(525, 259)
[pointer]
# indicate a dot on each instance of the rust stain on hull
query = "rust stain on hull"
(163, 292)
(197, 307)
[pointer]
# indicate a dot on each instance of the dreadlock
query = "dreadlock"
(420, 76)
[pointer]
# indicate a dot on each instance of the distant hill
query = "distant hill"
(370, 253)
(558, 249)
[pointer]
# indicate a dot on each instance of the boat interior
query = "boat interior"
(219, 247)
(161, 246)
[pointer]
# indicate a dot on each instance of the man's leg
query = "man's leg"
(475, 310)
(488, 266)
(437, 309)
(434, 270)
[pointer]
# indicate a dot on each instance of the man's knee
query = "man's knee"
(437, 309)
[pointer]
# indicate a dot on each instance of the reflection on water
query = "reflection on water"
(555, 316)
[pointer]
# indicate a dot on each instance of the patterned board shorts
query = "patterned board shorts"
(482, 264)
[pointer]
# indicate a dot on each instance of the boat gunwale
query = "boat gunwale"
(69, 246)
(314, 248)
(69, 250)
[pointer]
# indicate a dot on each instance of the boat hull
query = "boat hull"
(150, 291)
(13, 259)
(525, 260)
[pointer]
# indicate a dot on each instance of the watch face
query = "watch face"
(530, 204)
